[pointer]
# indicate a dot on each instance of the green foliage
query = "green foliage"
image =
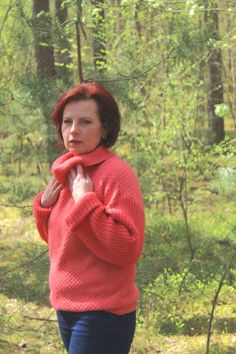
(154, 58)
(173, 301)
(177, 303)
(221, 110)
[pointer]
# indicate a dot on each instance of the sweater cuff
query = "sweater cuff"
(82, 208)
(41, 213)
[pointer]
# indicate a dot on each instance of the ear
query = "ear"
(104, 130)
(104, 134)
(104, 137)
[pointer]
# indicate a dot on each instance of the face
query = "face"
(81, 127)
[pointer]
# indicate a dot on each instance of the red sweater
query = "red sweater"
(95, 243)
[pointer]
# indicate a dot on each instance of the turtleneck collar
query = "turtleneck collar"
(64, 163)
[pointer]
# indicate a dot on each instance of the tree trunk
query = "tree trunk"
(137, 22)
(230, 73)
(42, 28)
(99, 49)
(78, 25)
(44, 54)
(64, 48)
(118, 25)
(215, 95)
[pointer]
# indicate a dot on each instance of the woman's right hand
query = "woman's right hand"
(51, 193)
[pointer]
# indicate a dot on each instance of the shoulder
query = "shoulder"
(116, 167)
(118, 176)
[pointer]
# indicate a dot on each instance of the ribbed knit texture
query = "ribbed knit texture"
(95, 243)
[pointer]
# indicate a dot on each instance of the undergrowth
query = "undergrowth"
(176, 291)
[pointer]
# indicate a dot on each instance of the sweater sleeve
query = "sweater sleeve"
(115, 232)
(41, 216)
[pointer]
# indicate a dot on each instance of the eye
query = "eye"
(86, 122)
(67, 121)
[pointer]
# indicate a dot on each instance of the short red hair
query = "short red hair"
(108, 110)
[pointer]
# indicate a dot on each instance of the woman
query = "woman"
(91, 215)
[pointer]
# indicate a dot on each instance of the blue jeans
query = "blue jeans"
(96, 332)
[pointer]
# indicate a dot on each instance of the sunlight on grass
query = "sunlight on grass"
(169, 320)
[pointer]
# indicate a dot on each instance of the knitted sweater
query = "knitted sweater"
(94, 243)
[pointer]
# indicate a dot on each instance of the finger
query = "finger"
(80, 171)
(87, 178)
(72, 173)
(70, 182)
(56, 184)
(50, 182)
(70, 178)
(58, 188)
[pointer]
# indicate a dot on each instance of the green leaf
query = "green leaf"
(221, 110)
(43, 44)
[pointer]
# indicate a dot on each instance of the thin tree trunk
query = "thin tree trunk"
(78, 26)
(137, 22)
(118, 24)
(99, 48)
(215, 95)
(231, 75)
(214, 303)
(201, 107)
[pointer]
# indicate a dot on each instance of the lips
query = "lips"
(74, 141)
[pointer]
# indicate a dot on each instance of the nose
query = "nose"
(75, 128)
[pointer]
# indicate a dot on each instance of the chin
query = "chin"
(79, 151)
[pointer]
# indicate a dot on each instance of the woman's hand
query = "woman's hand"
(51, 193)
(79, 183)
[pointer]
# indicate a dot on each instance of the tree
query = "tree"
(99, 49)
(42, 28)
(46, 71)
(64, 60)
(216, 94)
(79, 10)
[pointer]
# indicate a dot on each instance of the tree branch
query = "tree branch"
(5, 17)
(39, 319)
(31, 261)
(15, 206)
(135, 76)
(214, 303)
(79, 59)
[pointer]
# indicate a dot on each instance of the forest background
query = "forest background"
(171, 64)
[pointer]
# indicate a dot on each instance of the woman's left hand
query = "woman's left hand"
(79, 183)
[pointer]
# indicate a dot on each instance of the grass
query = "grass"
(169, 320)
(30, 328)
(27, 327)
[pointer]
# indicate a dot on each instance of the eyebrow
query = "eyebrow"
(84, 117)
